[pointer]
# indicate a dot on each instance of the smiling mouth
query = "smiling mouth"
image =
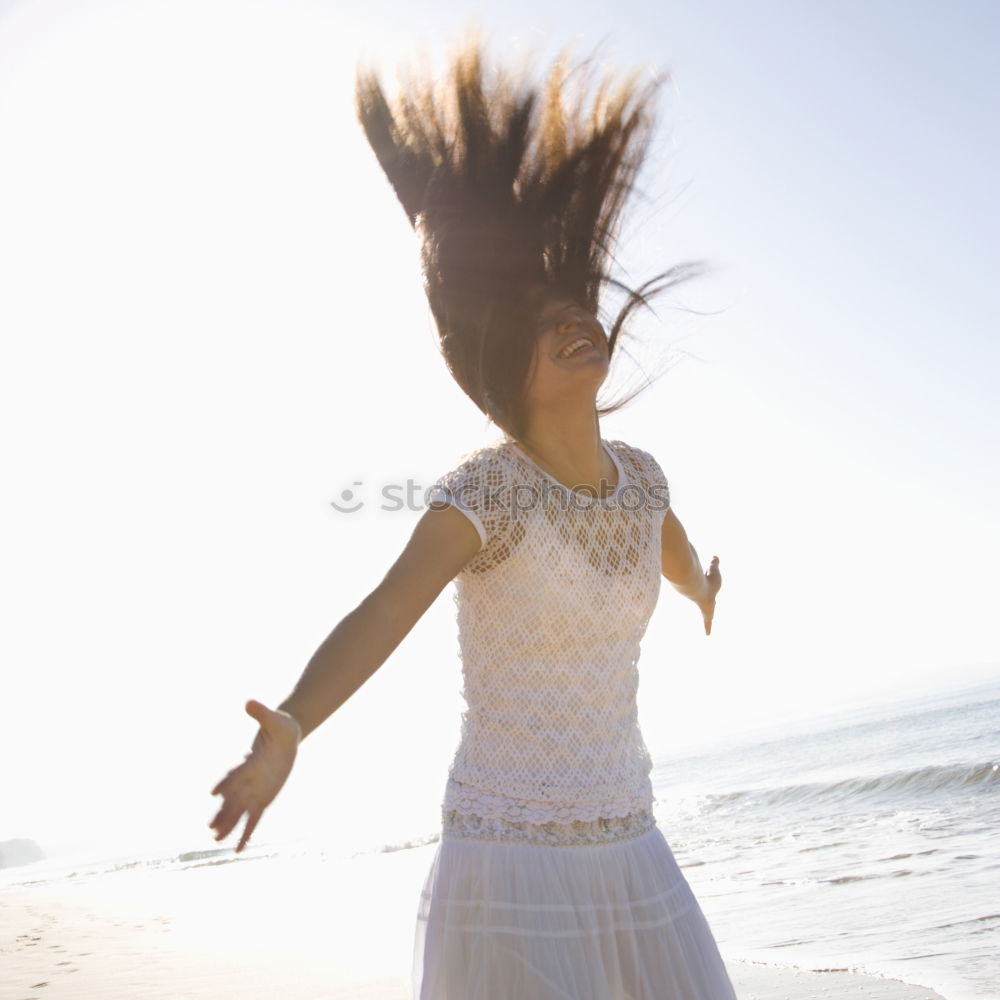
(578, 345)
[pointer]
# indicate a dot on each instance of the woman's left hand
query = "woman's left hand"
(707, 604)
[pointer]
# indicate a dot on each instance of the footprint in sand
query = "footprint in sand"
(38, 985)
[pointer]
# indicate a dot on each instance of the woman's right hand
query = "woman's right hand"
(250, 787)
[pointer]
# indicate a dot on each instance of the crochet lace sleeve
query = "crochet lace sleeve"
(653, 480)
(476, 486)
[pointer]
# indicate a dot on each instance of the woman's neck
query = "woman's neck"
(570, 449)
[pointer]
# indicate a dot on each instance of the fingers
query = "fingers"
(713, 576)
(226, 818)
(237, 791)
(224, 782)
(236, 798)
(252, 820)
(258, 711)
(707, 614)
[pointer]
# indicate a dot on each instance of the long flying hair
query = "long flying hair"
(516, 190)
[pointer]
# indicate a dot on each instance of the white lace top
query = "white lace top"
(551, 611)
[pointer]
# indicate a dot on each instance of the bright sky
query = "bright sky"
(213, 324)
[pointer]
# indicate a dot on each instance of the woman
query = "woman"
(551, 878)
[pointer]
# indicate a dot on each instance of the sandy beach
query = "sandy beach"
(298, 929)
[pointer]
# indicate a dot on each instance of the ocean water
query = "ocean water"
(867, 841)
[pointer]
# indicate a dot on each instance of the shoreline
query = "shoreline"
(754, 980)
(293, 928)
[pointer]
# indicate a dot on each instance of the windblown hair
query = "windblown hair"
(516, 191)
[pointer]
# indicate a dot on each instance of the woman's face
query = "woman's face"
(571, 354)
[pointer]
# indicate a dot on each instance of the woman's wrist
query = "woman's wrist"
(297, 726)
(696, 586)
(696, 589)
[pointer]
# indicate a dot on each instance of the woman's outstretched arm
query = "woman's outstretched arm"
(441, 544)
(443, 541)
(682, 567)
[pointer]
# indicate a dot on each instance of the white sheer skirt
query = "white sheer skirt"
(579, 911)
